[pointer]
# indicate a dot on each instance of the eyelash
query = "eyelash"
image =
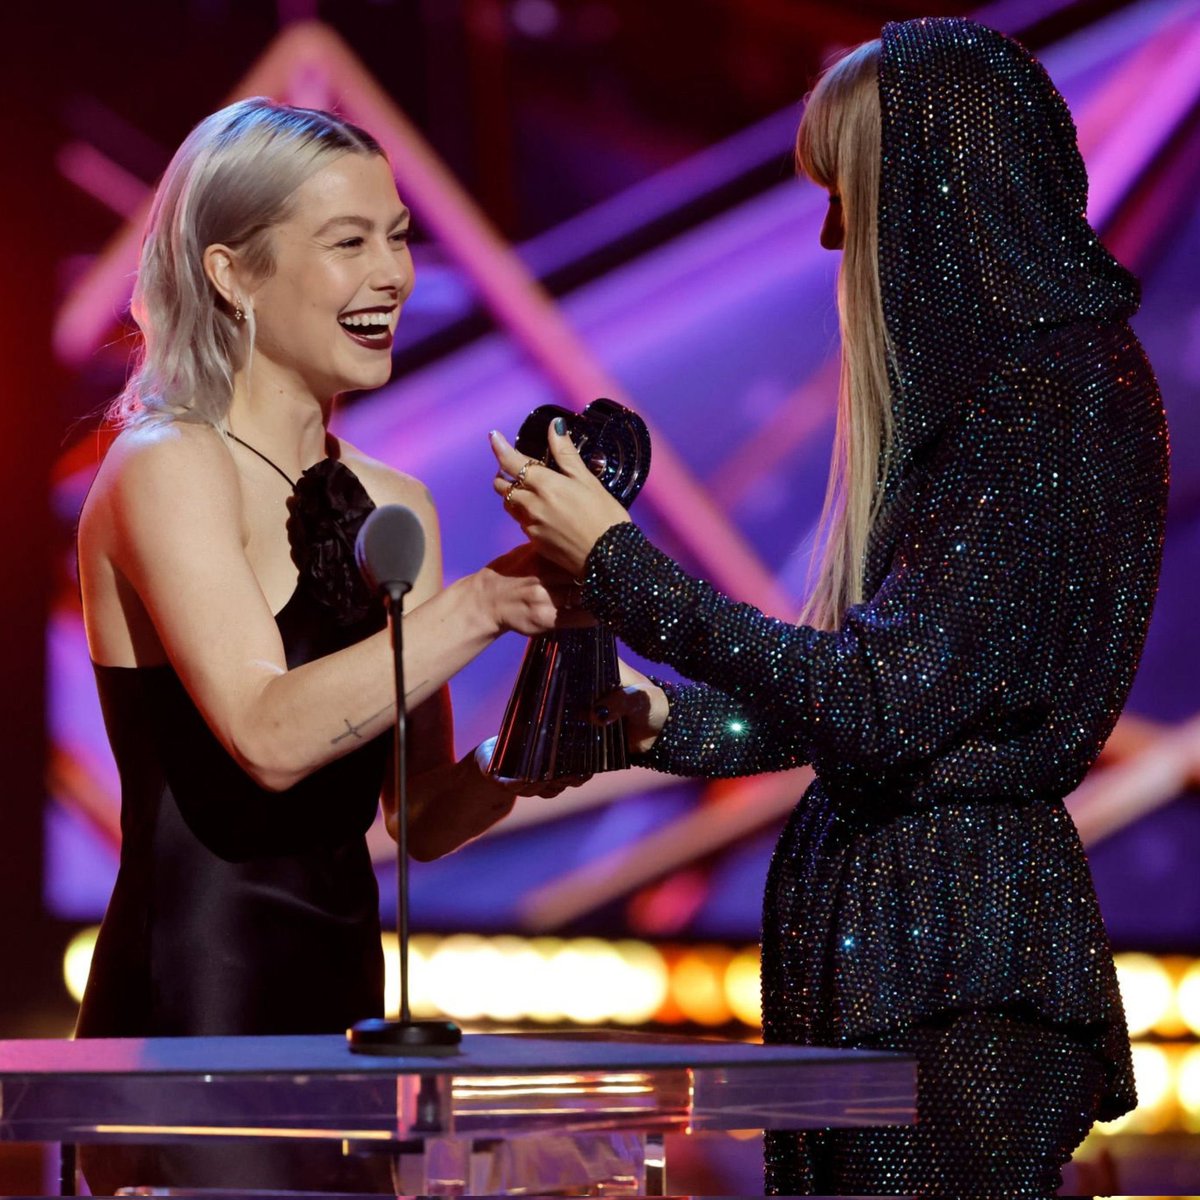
(400, 238)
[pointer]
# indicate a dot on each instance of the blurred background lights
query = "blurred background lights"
(645, 979)
(542, 995)
(1187, 1087)
(510, 980)
(698, 986)
(1187, 998)
(743, 988)
(589, 976)
(420, 948)
(535, 18)
(77, 961)
(1152, 1074)
(462, 972)
(507, 988)
(1145, 990)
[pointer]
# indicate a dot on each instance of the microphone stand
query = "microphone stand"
(376, 1035)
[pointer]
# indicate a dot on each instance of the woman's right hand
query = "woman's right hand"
(641, 702)
(527, 594)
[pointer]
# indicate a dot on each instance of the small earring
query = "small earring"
(238, 315)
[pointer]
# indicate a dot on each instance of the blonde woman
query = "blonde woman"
(243, 667)
(993, 532)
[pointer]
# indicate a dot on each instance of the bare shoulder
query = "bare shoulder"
(386, 485)
(163, 467)
(169, 452)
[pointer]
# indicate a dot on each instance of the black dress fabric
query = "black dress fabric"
(237, 910)
(931, 868)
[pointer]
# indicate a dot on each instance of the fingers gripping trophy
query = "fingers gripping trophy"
(547, 732)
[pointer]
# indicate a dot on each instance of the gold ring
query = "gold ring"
(520, 479)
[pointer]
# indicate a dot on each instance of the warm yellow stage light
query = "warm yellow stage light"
(743, 988)
(1187, 998)
(507, 983)
(1146, 991)
(590, 981)
(1155, 1073)
(420, 948)
(460, 974)
(1152, 1074)
(644, 983)
(698, 985)
(537, 965)
(420, 951)
(1187, 1087)
(77, 961)
(391, 974)
(588, 971)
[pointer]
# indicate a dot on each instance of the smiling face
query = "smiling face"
(325, 316)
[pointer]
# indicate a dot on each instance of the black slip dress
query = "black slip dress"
(239, 911)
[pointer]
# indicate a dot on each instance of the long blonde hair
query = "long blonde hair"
(839, 147)
(230, 182)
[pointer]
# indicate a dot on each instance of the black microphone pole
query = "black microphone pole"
(395, 607)
(389, 551)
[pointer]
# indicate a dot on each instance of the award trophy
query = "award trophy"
(547, 732)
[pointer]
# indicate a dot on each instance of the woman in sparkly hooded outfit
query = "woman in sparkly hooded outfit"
(993, 540)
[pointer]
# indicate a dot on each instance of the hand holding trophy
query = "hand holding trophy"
(547, 732)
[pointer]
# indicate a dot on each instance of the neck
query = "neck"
(279, 418)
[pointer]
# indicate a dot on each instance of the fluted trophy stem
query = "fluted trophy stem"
(547, 732)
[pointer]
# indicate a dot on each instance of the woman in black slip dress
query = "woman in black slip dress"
(993, 538)
(244, 669)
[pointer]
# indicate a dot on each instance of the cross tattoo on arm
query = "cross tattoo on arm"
(355, 731)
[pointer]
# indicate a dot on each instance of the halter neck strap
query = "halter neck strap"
(290, 482)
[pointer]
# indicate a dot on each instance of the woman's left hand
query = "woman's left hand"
(563, 512)
(453, 804)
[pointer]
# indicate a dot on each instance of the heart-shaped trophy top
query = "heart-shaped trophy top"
(612, 440)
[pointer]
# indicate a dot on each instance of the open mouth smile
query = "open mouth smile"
(372, 328)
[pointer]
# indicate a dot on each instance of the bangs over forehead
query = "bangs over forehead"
(827, 127)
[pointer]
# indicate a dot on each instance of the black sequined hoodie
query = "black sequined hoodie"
(931, 868)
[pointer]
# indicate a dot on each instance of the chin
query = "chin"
(377, 380)
(364, 380)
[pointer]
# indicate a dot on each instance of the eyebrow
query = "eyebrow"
(363, 222)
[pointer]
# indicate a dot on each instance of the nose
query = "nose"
(391, 270)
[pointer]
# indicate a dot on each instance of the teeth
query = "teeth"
(368, 322)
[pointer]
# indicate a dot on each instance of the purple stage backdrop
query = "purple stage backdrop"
(724, 337)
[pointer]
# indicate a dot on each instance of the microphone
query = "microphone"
(390, 548)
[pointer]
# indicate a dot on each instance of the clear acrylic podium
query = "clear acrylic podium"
(571, 1114)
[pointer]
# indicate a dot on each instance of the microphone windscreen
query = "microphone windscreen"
(390, 548)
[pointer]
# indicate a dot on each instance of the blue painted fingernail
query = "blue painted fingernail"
(602, 711)
(560, 426)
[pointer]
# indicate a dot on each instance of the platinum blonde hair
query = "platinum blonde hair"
(229, 183)
(839, 147)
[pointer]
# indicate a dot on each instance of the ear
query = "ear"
(220, 265)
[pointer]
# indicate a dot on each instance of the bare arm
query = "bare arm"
(167, 505)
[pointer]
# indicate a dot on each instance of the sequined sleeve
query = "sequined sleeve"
(709, 733)
(948, 647)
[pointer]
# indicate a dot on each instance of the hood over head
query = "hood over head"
(983, 233)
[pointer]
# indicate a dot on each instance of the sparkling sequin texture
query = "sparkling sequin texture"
(931, 869)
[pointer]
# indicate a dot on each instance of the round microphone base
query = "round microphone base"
(401, 1038)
